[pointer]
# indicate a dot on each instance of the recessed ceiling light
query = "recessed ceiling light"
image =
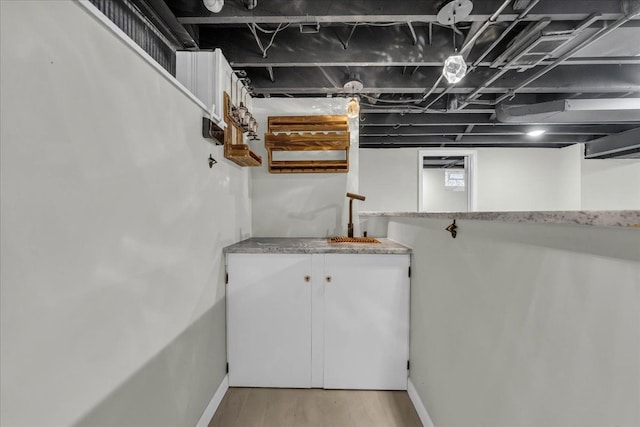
(536, 132)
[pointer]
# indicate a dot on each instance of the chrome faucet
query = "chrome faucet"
(352, 196)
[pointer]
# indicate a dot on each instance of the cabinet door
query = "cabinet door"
(366, 329)
(269, 320)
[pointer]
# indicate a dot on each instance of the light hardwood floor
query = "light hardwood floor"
(277, 407)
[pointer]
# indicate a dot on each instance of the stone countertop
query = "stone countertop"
(594, 218)
(294, 245)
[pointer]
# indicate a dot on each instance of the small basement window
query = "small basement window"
(454, 179)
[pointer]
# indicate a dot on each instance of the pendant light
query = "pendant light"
(455, 67)
(354, 84)
(353, 108)
(214, 6)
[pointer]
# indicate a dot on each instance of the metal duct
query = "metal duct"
(619, 145)
(603, 110)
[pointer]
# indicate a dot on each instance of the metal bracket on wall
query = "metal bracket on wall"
(212, 131)
(453, 229)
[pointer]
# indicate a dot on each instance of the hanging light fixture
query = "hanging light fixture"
(353, 108)
(214, 6)
(455, 67)
(353, 85)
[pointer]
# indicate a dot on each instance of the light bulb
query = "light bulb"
(242, 111)
(214, 6)
(454, 68)
(353, 108)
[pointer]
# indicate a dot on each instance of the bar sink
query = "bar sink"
(343, 239)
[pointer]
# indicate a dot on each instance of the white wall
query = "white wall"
(389, 179)
(438, 199)
(306, 204)
(112, 229)
(524, 324)
(610, 184)
(508, 178)
(522, 179)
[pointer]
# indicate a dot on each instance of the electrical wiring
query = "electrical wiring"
(274, 33)
(388, 101)
(270, 31)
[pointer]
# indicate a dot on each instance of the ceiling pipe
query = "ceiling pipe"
(506, 67)
(468, 44)
(603, 32)
(492, 19)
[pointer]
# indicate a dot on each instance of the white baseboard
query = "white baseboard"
(210, 410)
(420, 408)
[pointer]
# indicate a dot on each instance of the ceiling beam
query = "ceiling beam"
(393, 47)
(476, 119)
(328, 11)
(452, 144)
(476, 139)
(584, 79)
(412, 109)
(487, 129)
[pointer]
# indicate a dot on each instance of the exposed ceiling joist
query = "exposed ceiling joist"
(327, 11)
(477, 139)
(583, 50)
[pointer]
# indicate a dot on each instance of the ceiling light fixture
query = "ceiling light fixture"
(353, 108)
(455, 67)
(354, 84)
(536, 132)
(214, 6)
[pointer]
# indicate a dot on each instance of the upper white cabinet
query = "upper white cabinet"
(318, 320)
(207, 75)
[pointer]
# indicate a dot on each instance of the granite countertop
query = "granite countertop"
(293, 245)
(597, 218)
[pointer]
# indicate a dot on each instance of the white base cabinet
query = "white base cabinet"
(269, 320)
(318, 320)
(366, 322)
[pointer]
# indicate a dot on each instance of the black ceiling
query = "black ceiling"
(519, 53)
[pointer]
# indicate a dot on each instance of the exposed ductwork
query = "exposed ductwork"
(612, 110)
(619, 145)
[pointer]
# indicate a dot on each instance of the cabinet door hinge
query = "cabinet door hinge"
(409, 271)
(227, 368)
(408, 365)
(226, 278)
